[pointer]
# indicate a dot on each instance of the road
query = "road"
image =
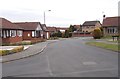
(66, 58)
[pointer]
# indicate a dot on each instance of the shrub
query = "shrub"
(17, 49)
(97, 33)
(4, 52)
(66, 34)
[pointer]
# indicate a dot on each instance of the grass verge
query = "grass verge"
(113, 47)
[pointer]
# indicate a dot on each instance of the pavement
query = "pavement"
(12, 47)
(65, 58)
(38, 48)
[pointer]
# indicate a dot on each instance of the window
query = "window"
(19, 33)
(113, 30)
(38, 34)
(10, 33)
(7, 33)
(13, 33)
(0, 33)
(108, 30)
(86, 31)
(4, 34)
(33, 34)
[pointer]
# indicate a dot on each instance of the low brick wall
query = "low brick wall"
(81, 34)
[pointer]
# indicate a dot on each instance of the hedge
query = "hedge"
(14, 50)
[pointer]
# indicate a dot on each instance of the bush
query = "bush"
(4, 52)
(17, 49)
(97, 34)
(66, 34)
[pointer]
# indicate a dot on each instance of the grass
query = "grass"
(113, 47)
(107, 37)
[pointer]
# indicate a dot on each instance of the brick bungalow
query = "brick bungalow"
(46, 33)
(9, 32)
(110, 25)
(32, 31)
(52, 30)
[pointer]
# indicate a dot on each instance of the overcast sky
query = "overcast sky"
(63, 12)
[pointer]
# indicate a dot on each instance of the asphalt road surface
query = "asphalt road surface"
(66, 58)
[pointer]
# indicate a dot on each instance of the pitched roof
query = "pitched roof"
(44, 27)
(77, 26)
(52, 29)
(111, 21)
(28, 25)
(90, 23)
(5, 24)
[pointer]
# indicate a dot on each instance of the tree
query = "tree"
(71, 28)
(66, 34)
(59, 34)
(97, 33)
(102, 34)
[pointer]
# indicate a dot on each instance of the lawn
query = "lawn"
(113, 47)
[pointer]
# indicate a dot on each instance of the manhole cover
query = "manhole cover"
(89, 63)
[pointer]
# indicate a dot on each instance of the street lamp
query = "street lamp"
(44, 15)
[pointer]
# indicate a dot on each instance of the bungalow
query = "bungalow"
(9, 32)
(46, 33)
(89, 26)
(52, 30)
(31, 30)
(110, 25)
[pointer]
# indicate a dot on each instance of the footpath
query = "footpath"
(31, 51)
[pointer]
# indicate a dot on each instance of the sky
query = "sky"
(63, 12)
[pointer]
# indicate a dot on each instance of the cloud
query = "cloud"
(63, 12)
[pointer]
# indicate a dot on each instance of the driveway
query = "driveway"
(66, 58)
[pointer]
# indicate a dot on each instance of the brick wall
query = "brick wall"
(27, 35)
(12, 39)
(81, 35)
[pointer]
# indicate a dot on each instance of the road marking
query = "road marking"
(89, 63)
(50, 71)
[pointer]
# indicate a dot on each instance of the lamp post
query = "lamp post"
(44, 16)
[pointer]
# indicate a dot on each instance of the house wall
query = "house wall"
(27, 35)
(107, 32)
(12, 39)
(46, 35)
(90, 28)
(98, 25)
